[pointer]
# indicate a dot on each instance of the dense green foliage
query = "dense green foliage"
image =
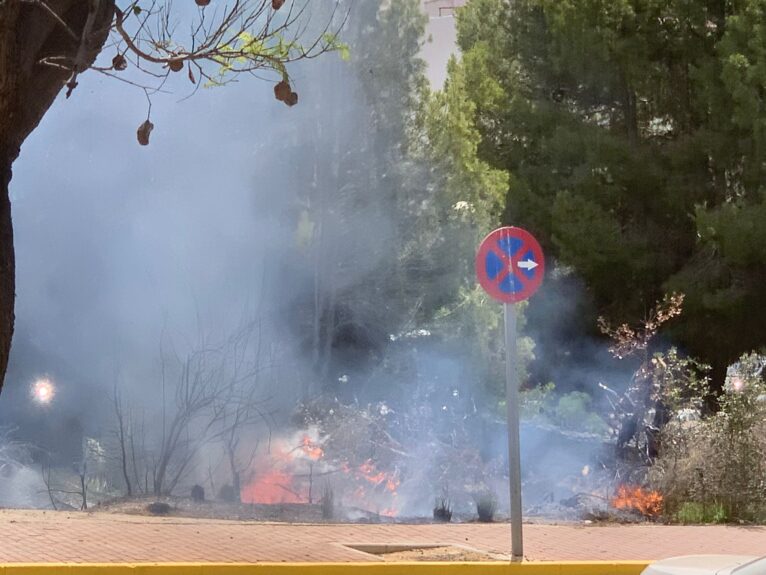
(633, 133)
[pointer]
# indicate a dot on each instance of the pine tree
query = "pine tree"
(633, 134)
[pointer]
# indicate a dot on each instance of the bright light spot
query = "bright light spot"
(43, 391)
(737, 383)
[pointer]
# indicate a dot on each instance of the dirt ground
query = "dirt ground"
(446, 553)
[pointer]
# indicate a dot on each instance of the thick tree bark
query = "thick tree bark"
(7, 269)
(28, 87)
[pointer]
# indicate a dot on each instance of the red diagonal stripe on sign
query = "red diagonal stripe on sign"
(511, 262)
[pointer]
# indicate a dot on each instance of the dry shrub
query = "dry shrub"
(443, 510)
(159, 508)
(198, 493)
(719, 462)
(486, 504)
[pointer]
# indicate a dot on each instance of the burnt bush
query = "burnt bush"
(198, 493)
(443, 510)
(158, 508)
(486, 505)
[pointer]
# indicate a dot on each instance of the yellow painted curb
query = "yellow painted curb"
(403, 568)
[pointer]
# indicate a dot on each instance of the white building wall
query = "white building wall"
(440, 38)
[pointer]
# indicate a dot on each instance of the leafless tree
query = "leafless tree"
(217, 401)
(61, 491)
(122, 439)
(248, 408)
(45, 473)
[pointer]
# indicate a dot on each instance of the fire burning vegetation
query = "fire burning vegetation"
(633, 498)
(291, 474)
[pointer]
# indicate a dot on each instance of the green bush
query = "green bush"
(573, 411)
(696, 513)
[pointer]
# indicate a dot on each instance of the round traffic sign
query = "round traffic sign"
(510, 264)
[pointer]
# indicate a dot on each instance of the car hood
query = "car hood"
(698, 565)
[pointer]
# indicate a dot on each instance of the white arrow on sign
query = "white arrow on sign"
(528, 264)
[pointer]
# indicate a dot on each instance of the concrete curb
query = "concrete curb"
(403, 568)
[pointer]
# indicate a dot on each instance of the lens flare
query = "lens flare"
(43, 391)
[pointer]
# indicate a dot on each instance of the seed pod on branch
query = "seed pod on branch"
(277, 4)
(292, 99)
(119, 62)
(143, 132)
(202, 2)
(176, 65)
(282, 91)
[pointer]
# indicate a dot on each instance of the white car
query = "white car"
(708, 565)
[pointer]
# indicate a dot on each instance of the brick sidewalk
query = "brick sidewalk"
(36, 536)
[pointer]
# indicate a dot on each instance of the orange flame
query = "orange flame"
(370, 473)
(275, 486)
(311, 449)
(284, 476)
(648, 503)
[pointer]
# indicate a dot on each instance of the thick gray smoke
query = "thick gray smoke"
(121, 247)
(124, 251)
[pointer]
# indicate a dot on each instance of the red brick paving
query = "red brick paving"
(36, 536)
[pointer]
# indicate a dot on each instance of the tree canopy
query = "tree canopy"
(633, 134)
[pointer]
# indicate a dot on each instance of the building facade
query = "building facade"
(440, 37)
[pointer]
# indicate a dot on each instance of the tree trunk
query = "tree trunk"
(630, 110)
(236, 482)
(28, 34)
(7, 269)
(9, 150)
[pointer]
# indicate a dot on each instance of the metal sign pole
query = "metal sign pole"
(510, 266)
(512, 413)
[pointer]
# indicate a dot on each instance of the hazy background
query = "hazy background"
(125, 251)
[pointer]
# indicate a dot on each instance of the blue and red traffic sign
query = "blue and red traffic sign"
(510, 264)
